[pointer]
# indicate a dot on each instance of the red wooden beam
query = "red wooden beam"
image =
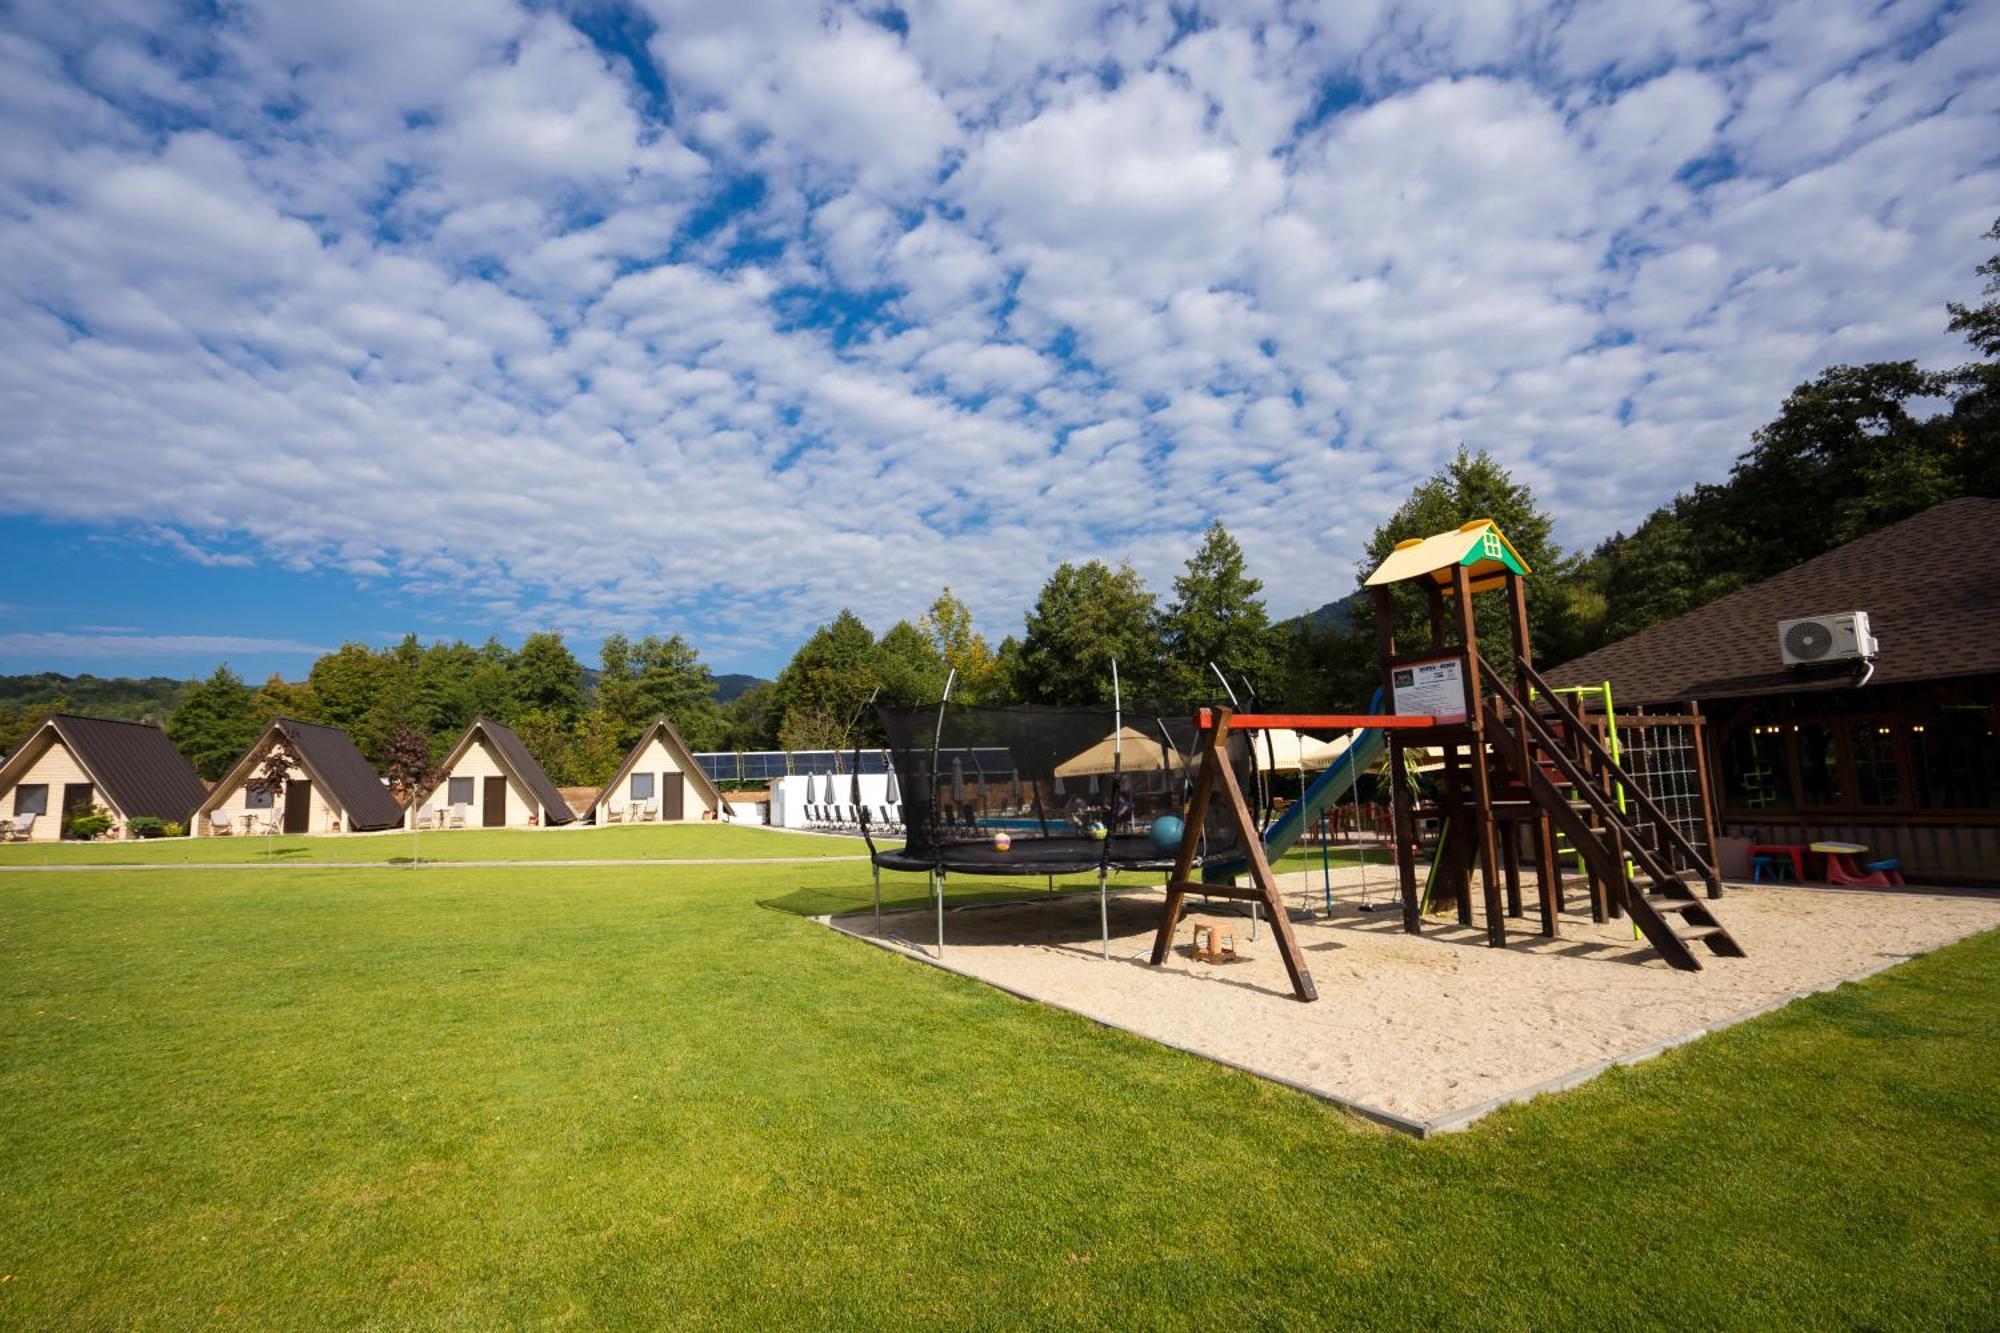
(1313, 721)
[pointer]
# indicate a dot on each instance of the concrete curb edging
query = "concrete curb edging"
(1448, 1122)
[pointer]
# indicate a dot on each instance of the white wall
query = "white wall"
(658, 758)
(56, 768)
(479, 762)
(235, 800)
(790, 796)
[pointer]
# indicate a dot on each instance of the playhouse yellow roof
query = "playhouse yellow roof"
(1480, 546)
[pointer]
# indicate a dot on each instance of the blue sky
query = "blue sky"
(341, 321)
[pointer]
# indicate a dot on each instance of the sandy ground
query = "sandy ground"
(1429, 1032)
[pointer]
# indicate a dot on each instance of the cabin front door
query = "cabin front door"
(494, 811)
(79, 798)
(672, 789)
(298, 805)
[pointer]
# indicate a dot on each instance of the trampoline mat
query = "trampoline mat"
(1032, 856)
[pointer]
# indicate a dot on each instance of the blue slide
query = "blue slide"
(1325, 791)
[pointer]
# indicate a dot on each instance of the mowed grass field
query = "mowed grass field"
(636, 1098)
(618, 842)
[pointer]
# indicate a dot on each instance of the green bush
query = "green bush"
(85, 827)
(172, 828)
(146, 826)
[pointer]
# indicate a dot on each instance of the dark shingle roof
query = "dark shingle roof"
(1930, 601)
(138, 767)
(350, 778)
(555, 810)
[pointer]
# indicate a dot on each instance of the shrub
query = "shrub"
(93, 825)
(146, 826)
(172, 828)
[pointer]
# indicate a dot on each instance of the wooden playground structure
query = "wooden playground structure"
(1525, 767)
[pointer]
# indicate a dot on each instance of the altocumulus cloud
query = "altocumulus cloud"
(716, 317)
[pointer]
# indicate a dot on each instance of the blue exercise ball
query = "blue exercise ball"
(1168, 832)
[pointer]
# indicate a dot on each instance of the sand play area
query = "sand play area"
(1428, 1033)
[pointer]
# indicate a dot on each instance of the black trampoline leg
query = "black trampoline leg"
(878, 902)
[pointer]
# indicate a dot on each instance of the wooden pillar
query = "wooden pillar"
(1510, 858)
(1454, 866)
(1212, 755)
(1548, 866)
(1403, 815)
(1699, 744)
(1482, 777)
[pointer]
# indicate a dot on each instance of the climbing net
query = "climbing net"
(1660, 757)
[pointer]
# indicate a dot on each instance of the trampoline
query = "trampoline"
(1046, 778)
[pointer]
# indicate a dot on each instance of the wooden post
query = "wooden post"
(1403, 834)
(1456, 873)
(1548, 866)
(1699, 744)
(1204, 789)
(1482, 777)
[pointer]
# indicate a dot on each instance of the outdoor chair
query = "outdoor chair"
(18, 829)
(220, 825)
(614, 814)
(456, 819)
(651, 810)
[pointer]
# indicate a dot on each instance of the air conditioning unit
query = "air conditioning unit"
(1816, 640)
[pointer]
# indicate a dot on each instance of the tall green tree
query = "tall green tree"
(962, 650)
(1473, 486)
(547, 677)
(821, 693)
(1217, 617)
(911, 668)
(1085, 616)
(214, 723)
(669, 677)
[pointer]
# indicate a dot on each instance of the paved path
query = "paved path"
(83, 866)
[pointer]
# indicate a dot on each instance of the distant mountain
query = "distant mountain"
(1343, 614)
(148, 698)
(729, 687)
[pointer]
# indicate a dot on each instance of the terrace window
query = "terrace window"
(1819, 763)
(642, 786)
(1757, 774)
(256, 798)
(1955, 758)
(460, 792)
(31, 798)
(1878, 779)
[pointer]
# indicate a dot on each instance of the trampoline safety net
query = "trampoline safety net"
(1043, 776)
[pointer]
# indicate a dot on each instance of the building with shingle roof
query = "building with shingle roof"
(73, 765)
(490, 779)
(1900, 753)
(332, 789)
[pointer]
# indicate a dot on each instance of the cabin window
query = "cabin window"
(1819, 763)
(1757, 775)
(257, 798)
(642, 786)
(1871, 743)
(1956, 758)
(461, 791)
(31, 798)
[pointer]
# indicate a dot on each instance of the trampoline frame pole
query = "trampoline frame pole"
(937, 887)
(878, 900)
(1103, 914)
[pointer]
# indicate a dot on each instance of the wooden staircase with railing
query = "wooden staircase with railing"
(1558, 763)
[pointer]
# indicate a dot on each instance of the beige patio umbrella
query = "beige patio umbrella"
(1125, 750)
(1286, 750)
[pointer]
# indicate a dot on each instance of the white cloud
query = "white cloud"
(441, 299)
(42, 645)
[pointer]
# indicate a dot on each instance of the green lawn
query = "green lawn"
(643, 1098)
(619, 842)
